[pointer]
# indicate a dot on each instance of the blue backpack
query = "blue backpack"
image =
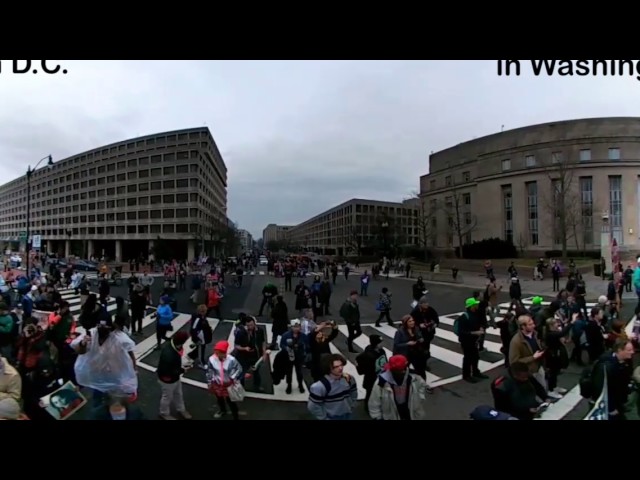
(456, 323)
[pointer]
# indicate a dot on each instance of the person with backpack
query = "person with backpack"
(334, 396)
(517, 393)
(468, 327)
(617, 363)
(169, 371)
(369, 364)
(398, 394)
(201, 333)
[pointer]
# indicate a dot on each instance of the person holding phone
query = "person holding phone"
(526, 348)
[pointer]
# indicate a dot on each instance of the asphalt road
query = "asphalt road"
(451, 401)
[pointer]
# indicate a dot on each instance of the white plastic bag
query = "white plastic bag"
(236, 392)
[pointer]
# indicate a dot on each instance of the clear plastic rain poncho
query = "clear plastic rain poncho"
(107, 367)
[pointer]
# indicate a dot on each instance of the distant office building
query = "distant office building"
(117, 200)
(246, 240)
(512, 185)
(358, 226)
(275, 233)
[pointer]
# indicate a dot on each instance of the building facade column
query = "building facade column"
(118, 251)
(49, 246)
(90, 248)
(191, 250)
(67, 248)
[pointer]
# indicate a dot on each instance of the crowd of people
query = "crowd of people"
(43, 348)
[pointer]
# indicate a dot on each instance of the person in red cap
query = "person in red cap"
(223, 372)
(169, 372)
(398, 394)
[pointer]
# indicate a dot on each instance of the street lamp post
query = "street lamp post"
(69, 234)
(385, 230)
(29, 173)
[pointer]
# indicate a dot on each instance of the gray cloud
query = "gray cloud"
(297, 137)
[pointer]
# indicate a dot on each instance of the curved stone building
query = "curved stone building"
(119, 199)
(510, 184)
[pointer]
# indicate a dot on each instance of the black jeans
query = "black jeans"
(289, 374)
(136, 321)
(354, 330)
(418, 360)
(552, 379)
(216, 311)
(161, 332)
(222, 404)
(470, 357)
(384, 314)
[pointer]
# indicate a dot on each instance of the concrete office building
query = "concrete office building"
(246, 240)
(506, 183)
(117, 200)
(358, 223)
(275, 233)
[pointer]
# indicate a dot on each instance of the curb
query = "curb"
(593, 298)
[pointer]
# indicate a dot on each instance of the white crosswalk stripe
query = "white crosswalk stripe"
(527, 302)
(69, 295)
(445, 363)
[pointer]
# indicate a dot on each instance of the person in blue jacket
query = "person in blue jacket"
(164, 315)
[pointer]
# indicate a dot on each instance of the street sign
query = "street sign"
(23, 236)
(36, 241)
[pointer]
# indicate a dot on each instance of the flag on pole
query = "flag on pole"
(600, 411)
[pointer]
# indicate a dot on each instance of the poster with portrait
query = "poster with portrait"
(64, 402)
(41, 318)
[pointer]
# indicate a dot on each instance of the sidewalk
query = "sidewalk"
(595, 285)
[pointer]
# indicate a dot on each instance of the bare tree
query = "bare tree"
(353, 239)
(425, 223)
(462, 221)
(523, 242)
(223, 233)
(564, 204)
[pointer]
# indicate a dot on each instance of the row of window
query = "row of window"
(70, 233)
(584, 213)
(530, 161)
(14, 200)
(130, 202)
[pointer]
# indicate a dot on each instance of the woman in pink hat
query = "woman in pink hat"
(223, 371)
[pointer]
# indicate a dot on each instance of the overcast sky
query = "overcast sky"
(297, 137)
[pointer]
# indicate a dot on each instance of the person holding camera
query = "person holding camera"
(320, 346)
(295, 344)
